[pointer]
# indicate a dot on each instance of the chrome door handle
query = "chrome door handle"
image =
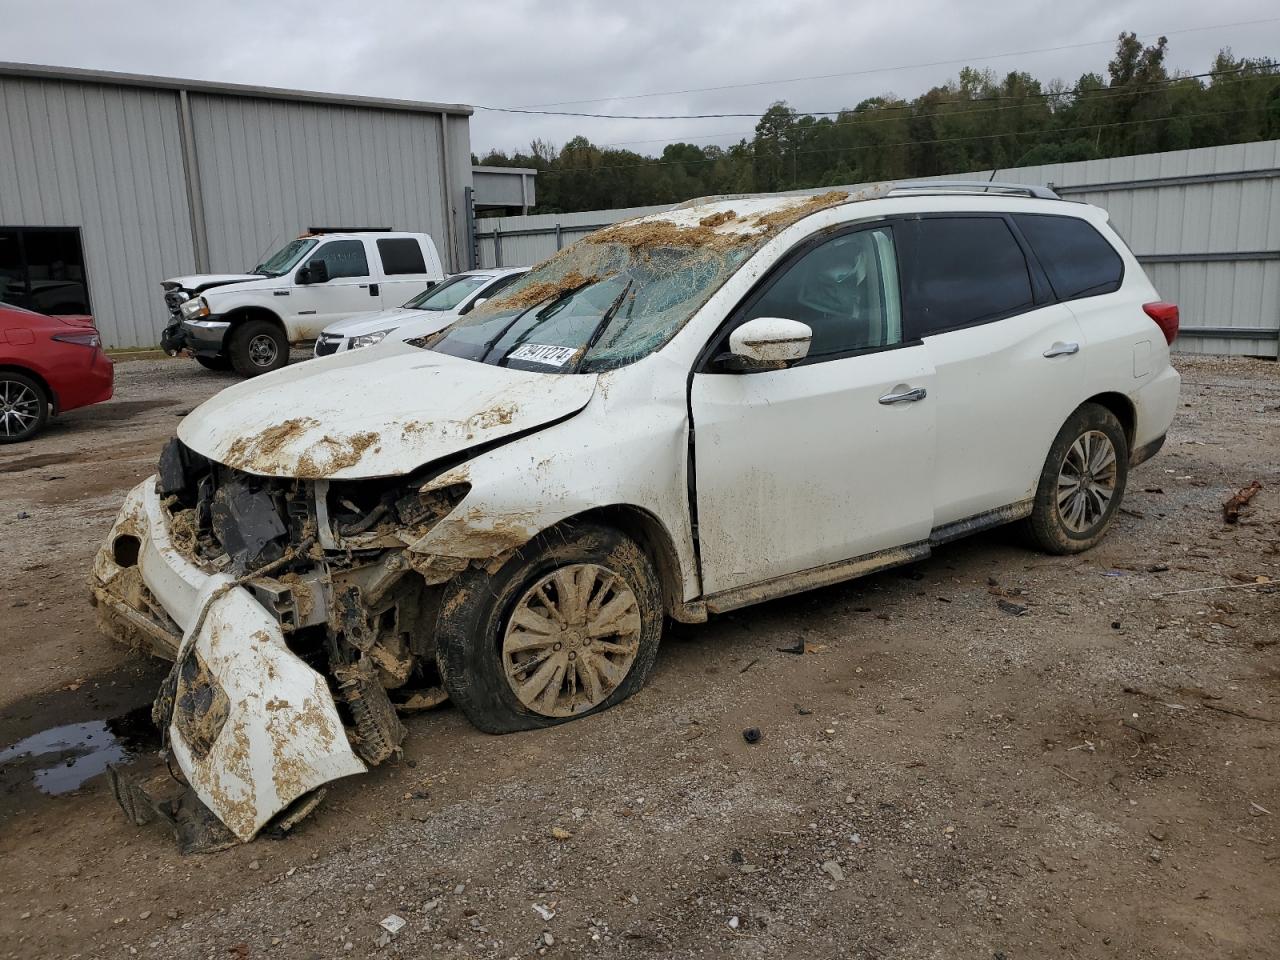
(1062, 350)
(907, 396)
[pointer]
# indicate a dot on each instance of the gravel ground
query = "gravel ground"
(936, 777)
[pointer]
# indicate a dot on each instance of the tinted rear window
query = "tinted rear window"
(958, 271)
(1079, 262)
(401, 255)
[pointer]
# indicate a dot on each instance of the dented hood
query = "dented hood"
(203, 281)
(381, 411)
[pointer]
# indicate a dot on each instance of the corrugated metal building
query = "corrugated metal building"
(1205, 223)
(111, 182)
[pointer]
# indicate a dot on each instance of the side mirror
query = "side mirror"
(767, 343)
(317, 271)
(478, 301)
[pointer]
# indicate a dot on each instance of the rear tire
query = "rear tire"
(214, 363)
(24, 407)
(258, 346)
(590, 619)
(1082, 483)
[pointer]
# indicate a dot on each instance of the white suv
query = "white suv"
(680, 415)
(247, 321)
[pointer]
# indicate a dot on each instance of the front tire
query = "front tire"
(24, 407)
(258, 346)
(567, 627)
(1082, 483)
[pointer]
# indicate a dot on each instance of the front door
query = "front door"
(831, 458)
(346, 294)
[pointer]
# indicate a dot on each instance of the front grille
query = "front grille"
(326, 346)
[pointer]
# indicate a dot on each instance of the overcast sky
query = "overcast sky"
(533, 52)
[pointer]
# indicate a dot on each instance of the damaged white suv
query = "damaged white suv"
(680, 415)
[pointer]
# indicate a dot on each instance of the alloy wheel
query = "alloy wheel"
(1087, 481)
(571, 640)
(19, 408)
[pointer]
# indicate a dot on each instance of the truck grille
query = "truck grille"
(174, 299)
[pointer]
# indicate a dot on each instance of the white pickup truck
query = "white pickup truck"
(247, 321)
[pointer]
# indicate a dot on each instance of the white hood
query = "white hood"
(201, 281)
(372, 322)
(381, 411)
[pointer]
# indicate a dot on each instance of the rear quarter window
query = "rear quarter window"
(1077, 258)
(401, 255)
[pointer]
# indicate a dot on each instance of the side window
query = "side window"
(344, 258)
(845, 289)
(958, 271)
(493, 288)
(1078, 260)
(401, 255)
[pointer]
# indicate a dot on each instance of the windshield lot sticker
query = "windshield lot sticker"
(542, 353)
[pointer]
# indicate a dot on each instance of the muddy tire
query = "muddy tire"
(214, 363)
(24, 407)
(567, 627)
(1082, 483)
(258, 346)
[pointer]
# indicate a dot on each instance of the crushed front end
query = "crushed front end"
(298, 622)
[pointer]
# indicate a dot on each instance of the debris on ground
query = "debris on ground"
(1016, 609)
(752, 735)
(1231, 509)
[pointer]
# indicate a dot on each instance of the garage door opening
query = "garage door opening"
(42, 269)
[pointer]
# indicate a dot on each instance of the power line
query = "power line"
(911, 143)
(1119, 91)
(1104, 93)
(891, 69)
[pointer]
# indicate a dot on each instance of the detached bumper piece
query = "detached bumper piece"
(194, 826)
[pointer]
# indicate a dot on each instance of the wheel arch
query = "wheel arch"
(1123, 409)
(243, 314)
(52, 394)
(653, 538)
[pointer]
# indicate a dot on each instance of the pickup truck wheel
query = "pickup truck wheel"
(258, 346)
(567, 627)
(214, 363)
(1082, 483)
(24, 407)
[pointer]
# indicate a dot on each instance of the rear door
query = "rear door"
(1008, 361)
(828, 459)
(346, 293)
(405, 272)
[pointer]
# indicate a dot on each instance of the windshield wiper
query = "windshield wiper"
(603, 323)
(543, 307)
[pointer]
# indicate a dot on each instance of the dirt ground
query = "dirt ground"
(938, 777)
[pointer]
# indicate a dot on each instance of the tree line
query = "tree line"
(978, 121)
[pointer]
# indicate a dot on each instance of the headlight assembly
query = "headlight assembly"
(368, 339)
(194, 308)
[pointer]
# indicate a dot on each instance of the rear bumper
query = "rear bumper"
(94, 383)
(271, 731)
(1155, 404)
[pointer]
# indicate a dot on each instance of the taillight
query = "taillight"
(86, 339)
(1166, 317)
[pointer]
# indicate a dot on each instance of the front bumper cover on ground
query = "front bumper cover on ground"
(275, 733)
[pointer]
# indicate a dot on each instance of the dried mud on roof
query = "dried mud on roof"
(641, 235)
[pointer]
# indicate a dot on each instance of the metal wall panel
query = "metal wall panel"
(270, 169)
(1237, 215)
(106, 160)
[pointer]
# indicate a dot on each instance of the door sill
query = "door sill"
(815, 577)
(832, 573)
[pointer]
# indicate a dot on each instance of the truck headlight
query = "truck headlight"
(195, 307)
(368, 339)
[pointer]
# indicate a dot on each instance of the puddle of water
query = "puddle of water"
(63, 758)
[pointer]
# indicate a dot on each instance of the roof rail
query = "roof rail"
(319, 230)
(973, 186)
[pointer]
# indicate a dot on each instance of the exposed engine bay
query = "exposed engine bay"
(327, 561)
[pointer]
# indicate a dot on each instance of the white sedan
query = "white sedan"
(433, 309)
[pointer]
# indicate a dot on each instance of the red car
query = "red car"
(47, 362)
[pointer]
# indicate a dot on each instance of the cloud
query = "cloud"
(523, 52)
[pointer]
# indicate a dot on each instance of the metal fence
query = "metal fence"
(1205, 224)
